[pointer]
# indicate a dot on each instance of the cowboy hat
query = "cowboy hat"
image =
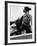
(26, 9)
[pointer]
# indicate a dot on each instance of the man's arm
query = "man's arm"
(30, 20)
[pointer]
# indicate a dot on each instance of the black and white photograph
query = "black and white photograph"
(21, 27)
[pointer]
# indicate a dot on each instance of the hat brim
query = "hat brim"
(26, 10)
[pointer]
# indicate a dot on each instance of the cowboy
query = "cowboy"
(26, 20)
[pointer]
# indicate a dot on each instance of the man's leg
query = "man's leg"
(28, 29)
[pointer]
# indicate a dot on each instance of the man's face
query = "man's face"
(27, 13)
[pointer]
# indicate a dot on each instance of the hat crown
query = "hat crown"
(26, 8)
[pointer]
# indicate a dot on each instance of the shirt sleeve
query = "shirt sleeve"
(31, 19)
